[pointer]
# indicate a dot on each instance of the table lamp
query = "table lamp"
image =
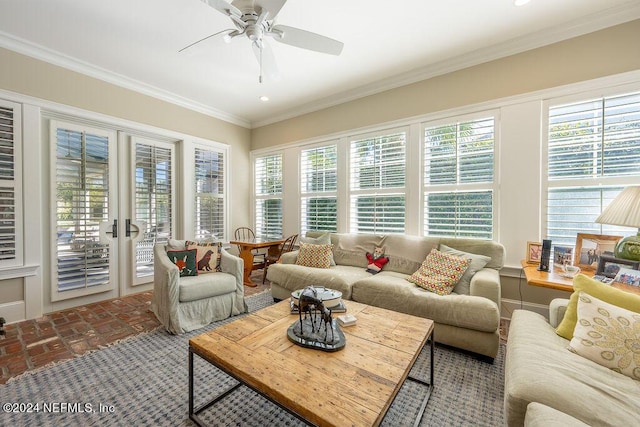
(624, 210)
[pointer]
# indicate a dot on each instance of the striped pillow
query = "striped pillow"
(317, 256)
(440, 272)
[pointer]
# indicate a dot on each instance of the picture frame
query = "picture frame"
(589, 248)
(609, 266)
(562, 255)
(534, 252)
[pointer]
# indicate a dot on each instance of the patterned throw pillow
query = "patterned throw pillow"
(323, 239)
(440, 272)
(185, 261)
(317, 256)
(208, 256)
(608, 335)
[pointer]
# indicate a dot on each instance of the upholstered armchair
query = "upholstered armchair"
(183, 304)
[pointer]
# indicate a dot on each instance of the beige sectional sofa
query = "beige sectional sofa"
(469, 321)
(539, 369)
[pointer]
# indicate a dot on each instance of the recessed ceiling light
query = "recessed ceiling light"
(264, 98)
(520, 2)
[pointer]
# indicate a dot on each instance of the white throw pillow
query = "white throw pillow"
(608, 335)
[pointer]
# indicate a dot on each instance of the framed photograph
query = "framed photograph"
(610, 266)
(628, 276)
(589, 248)
(534, 251)
(562, 255)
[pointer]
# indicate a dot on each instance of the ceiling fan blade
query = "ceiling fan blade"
(224, 7)
(305, 39)
(205, 38)
(268, 61)
(273, 6)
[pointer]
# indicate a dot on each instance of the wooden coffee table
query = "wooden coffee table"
(354, 386)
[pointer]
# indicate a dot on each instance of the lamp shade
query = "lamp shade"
(624, 210)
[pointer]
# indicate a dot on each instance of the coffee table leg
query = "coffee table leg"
(429, 384)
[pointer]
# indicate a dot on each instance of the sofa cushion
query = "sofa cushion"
(316, 256)
(440, 272)
(185, 260)
(599, 290)
(323, 239)
(539, 415)
(392, 291)
(350, 249)
(293, 277)
(206, 286)
(406, 253)
(608, 335)
(477, 263)
(539, 368)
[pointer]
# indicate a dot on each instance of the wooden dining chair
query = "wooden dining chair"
(246, 234)
(287, 246)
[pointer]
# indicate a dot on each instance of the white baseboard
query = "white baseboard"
(13, 311)
(509, 305)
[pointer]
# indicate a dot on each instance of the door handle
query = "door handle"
(108, 231)
(114, 229)
(127, 227)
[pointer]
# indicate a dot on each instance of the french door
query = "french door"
(112, 198)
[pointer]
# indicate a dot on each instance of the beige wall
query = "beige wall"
(28, 76)
(610, 51)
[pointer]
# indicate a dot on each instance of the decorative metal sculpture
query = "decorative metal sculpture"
(308, 331)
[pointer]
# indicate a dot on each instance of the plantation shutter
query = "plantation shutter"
(459, 178)
(593, 148)
(210, 205)
(153, 201)
(319, 172)
(377, 183)
(268, 191)
(9, 191)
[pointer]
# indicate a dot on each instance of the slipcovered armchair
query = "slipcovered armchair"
(183, 304)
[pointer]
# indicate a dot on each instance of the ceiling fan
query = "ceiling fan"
(255, 19)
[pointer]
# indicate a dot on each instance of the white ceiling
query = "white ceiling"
(135, 43)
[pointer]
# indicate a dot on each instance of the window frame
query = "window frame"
(580, 183)
(224, 151)
(462, 187)
(17, 185)
(258, 198)
(323, 194)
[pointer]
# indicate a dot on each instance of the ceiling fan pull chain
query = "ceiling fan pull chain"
(260, 77)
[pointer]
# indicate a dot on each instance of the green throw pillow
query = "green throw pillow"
(185, 261)
(599, 290)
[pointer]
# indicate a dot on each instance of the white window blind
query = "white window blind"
(10, 244)
(459, 178)
(210, 200)
(268, 193)
(318, 170)
(153, 200)
(377, 183)
(593, 153)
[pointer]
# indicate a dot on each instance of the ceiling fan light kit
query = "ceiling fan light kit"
(256, 19)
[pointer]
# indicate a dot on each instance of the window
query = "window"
(377, 183)
(593, 153)
(459, 179)
(268, 193)
(210, 202)
(10, 191)
(318, 169)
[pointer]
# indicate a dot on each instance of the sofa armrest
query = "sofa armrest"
(233, 265)
(289, 257)
(486, 283)
(166, 288)
(557, 309)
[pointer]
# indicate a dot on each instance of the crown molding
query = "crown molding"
(50, 56)
(595, 22)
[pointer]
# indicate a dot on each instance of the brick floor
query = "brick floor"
(66, 334)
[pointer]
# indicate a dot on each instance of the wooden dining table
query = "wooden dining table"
(246, 253)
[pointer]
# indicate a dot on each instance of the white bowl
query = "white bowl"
(330, 297)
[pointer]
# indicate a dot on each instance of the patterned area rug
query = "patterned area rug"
(143, 381)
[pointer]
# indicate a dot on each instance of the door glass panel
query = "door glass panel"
(152, 202)
(82, 190)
